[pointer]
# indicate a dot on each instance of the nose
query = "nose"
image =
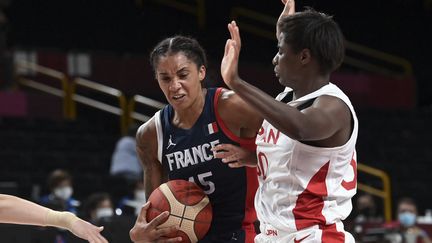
(174, 85)
(275, 59)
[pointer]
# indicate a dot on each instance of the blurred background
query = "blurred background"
(75, 78)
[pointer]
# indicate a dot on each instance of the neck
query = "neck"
(311, 84)
(187, 117)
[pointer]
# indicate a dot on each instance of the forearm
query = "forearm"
(285, 118)
(19, 211)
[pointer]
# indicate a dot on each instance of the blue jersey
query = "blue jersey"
(185, 154)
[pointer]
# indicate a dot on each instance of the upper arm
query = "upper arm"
(327, 117)
(147, 147)
(239, 116)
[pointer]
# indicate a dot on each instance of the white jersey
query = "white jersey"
(300, 185)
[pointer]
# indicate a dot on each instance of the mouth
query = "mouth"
(276, 72)
(178, 97)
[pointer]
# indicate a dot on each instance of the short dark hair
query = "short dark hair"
(317, 32)
(56, 177)
(173, 45)
(93, 202)
(406, 200)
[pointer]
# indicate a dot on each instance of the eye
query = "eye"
(183, 75)
(165, 78)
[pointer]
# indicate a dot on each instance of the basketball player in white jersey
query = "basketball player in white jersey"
(306, 147)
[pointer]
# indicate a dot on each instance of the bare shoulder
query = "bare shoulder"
(146, 139)
(236, 113)
(333, 106)
(146, 131)
(232, 103)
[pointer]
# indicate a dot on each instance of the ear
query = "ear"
(305, 56)
(202, 73)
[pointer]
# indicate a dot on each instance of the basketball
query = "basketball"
(188, 205)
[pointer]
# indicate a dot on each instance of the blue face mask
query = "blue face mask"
(407, 219)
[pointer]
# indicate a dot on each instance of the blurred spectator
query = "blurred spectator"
(124, 161)
(407, 230)
(366, 210)
(132, 204)
(98, 206)
(61, 190)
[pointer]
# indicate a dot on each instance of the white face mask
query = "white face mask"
(140, 195)
(104, 212)
(63, 193)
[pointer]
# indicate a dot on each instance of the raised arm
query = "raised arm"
(289, 8)
(326, 117)
(147, 146)
(14, 210)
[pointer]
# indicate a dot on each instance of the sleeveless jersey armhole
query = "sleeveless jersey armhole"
(159, 134)
(225, 129)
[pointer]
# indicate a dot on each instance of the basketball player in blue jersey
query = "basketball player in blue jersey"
(177, 144)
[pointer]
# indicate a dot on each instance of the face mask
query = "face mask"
(407, 219)
(63, 192)
(140, 195)
(104, 212)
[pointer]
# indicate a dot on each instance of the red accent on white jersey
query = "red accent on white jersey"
(303, 185)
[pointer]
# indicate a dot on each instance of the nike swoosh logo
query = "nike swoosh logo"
(298, 241)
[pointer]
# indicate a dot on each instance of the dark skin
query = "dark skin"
(327, 123)
(180, 80)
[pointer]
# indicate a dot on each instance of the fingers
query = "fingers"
(160, 219)
(170, 240)
(235, 33)
(142, 217)
(226, 47)
(166, 231)
(225, 146)
(101, 239)
(236, 165)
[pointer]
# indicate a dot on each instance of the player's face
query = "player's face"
(180, 80)
(287, 63)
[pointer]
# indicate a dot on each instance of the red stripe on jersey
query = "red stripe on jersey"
(349, 185)
(250, 214)
(309, 204)
(251, 174)
(331, 235)
(222, 125)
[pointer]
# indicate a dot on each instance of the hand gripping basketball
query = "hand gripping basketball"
(144, 232)
(188, 206)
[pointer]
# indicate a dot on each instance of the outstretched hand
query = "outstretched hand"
(229, 65)
(87, 231)
(235, 156)
(144, 232)
(289, 9)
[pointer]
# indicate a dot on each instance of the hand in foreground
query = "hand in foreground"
(87, 231)
(229, 65)
(144, 232)
(235, 156)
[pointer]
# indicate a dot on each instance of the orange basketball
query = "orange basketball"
(188, 205)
